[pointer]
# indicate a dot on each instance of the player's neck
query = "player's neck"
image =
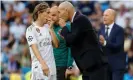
(39, 23)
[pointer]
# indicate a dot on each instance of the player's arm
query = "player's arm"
(55, 41)
(33, 44)
(37, 54)
(54, 38)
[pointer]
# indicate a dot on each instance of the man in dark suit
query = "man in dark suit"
(83, 42)
(111, 37)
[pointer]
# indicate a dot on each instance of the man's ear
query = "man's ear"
(38, 12)
(67, 11)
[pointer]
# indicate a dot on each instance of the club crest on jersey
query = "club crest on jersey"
(38, 30)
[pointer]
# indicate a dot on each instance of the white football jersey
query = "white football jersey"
(41, 37)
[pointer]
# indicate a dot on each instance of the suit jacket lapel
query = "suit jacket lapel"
(76, 15)
(103, 30)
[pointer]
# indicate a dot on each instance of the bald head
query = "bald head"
(111, 12)
(54, 14)
(54, 9)
(109, 16)
(66, 10)
(65, 5)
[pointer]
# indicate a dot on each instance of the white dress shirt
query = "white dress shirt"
(109, 31)
(110, 28)
(73, 16)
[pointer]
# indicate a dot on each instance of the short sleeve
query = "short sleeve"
(31, 39)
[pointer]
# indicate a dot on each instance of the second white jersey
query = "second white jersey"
(41, 37)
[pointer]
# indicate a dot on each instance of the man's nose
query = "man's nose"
(49, 17)
(104, 18)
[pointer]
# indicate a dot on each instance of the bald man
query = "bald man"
(83, 42)
(62, 54)
(111, 38)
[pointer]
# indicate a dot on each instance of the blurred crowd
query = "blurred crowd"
(16, 16)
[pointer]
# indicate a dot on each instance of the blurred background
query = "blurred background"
(16, 16)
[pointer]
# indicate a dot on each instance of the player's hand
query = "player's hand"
(45, 68)
(101, 39)
(68, 72)
(50, 22)
(62, 22)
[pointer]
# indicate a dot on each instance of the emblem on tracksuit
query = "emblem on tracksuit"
(38, 30)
